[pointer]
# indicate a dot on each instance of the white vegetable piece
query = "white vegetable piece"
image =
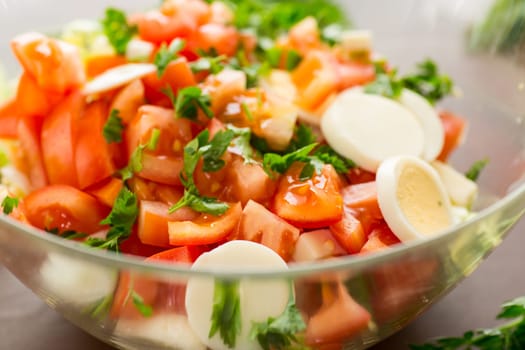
(430, 122)
(139, 50)
(461, 190)
(317, 245)
(117, 77)
(370, 128)
(169, 330)
(259, 299)
(77, 282)
(356, 40)
(412, 198)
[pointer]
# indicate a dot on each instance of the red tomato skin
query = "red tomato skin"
(58, 138)
(314, 203)
(455, 127)
(93, 158)
(156, 27)
(65, 208)
(162, 169)
(182, 255)
(32, 100)
(28, 130)
(349, 232)
(214, 36)
(9, 116)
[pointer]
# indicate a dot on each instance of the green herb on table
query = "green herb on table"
(117, 30)
(113, 127)
(510, 336)
(211, 152)
(226, 313)
(476, 169)
(9, 204)
(281, 332)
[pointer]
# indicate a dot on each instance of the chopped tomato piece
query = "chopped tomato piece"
(133, 246)
(107, 191)
(168, 194)
(32, 100)
(206, 229)
(9, 116)
(174, 132)
(211, 184)
(364, 197)
(96, 65)
(128, 100)
(29, 136)
(380, 238)
(224, 87)
(161, 169)
(314, 203)
(219, 37)
(58, 141)
(353, 74)
(156, 27)
(349, 232)
(92, 153)
(130, 285)
(196, 9)
(185, 255)
(317, 245)
(153, 222)
(260, 225)
(357, 176)
(64, 208)
(249, 182)
(454, 132)
(351, 318)
(304, 36)
(55, 65)
(178, 75)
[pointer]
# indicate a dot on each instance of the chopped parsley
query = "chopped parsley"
(429, 82)
(117, 29)
(214, 65)
(476, 169)
(9, 204)
(386, 83)
(68, 234)
(226, 314)
(211, 152)
(279, 333)
(135, 161)
(166, 54)
(510, 336)
(241, 143)
(113, 127)
(190, 100)
(120, 220)
(144, 309)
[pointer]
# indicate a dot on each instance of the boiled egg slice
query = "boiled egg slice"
(117, 77)
(426, 114)
(370, 128)
(259, 299)
(412, 198)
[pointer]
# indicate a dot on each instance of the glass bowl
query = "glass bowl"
(392, 287)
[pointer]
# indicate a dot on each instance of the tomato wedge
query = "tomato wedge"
(349, 232)
(380, 238)
(107, 191)
(454, 132)
(183, 255)
(55, 65)
(29, 136)
(128, 100)
(9, 119)
(58, 140)
(206, 229)
(314, 203)
(222, 38)
(92, 153)
(64, 208)
(156, 27)
(162, 169)
(153, 222)
(32, 100)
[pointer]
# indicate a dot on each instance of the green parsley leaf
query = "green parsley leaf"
(476, 169)
(293, 58)
(303, 136)
(120, 220)
(9, 204)
(279, 333)
(138, 302)
(101, 308)
(214, 65)
(241, 143)
(190, 100)
(274, 162)
(385, 85)
(4, 159)
(69, 234)
(226, 314)
(510, 336)
(327, 155)
(166, 54)
(113, 127)
(428, 82)
(135, 160)
(211, 152)
(117, 29)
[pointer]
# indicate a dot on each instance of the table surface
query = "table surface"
(27, 323)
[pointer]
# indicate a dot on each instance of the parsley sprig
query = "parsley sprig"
(386, 83)
(476, 169)
(189, 101)
(226, 313)
(166, 54)
(113, 127)
(211, 152)
(279, 333)
(117, 29)
(510, 336)
(135, 161)
(9, 204)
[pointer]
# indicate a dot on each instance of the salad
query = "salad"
(221, 134)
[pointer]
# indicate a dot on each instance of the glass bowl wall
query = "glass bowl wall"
(394, 286)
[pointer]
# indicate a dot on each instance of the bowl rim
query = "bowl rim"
(340, 264)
